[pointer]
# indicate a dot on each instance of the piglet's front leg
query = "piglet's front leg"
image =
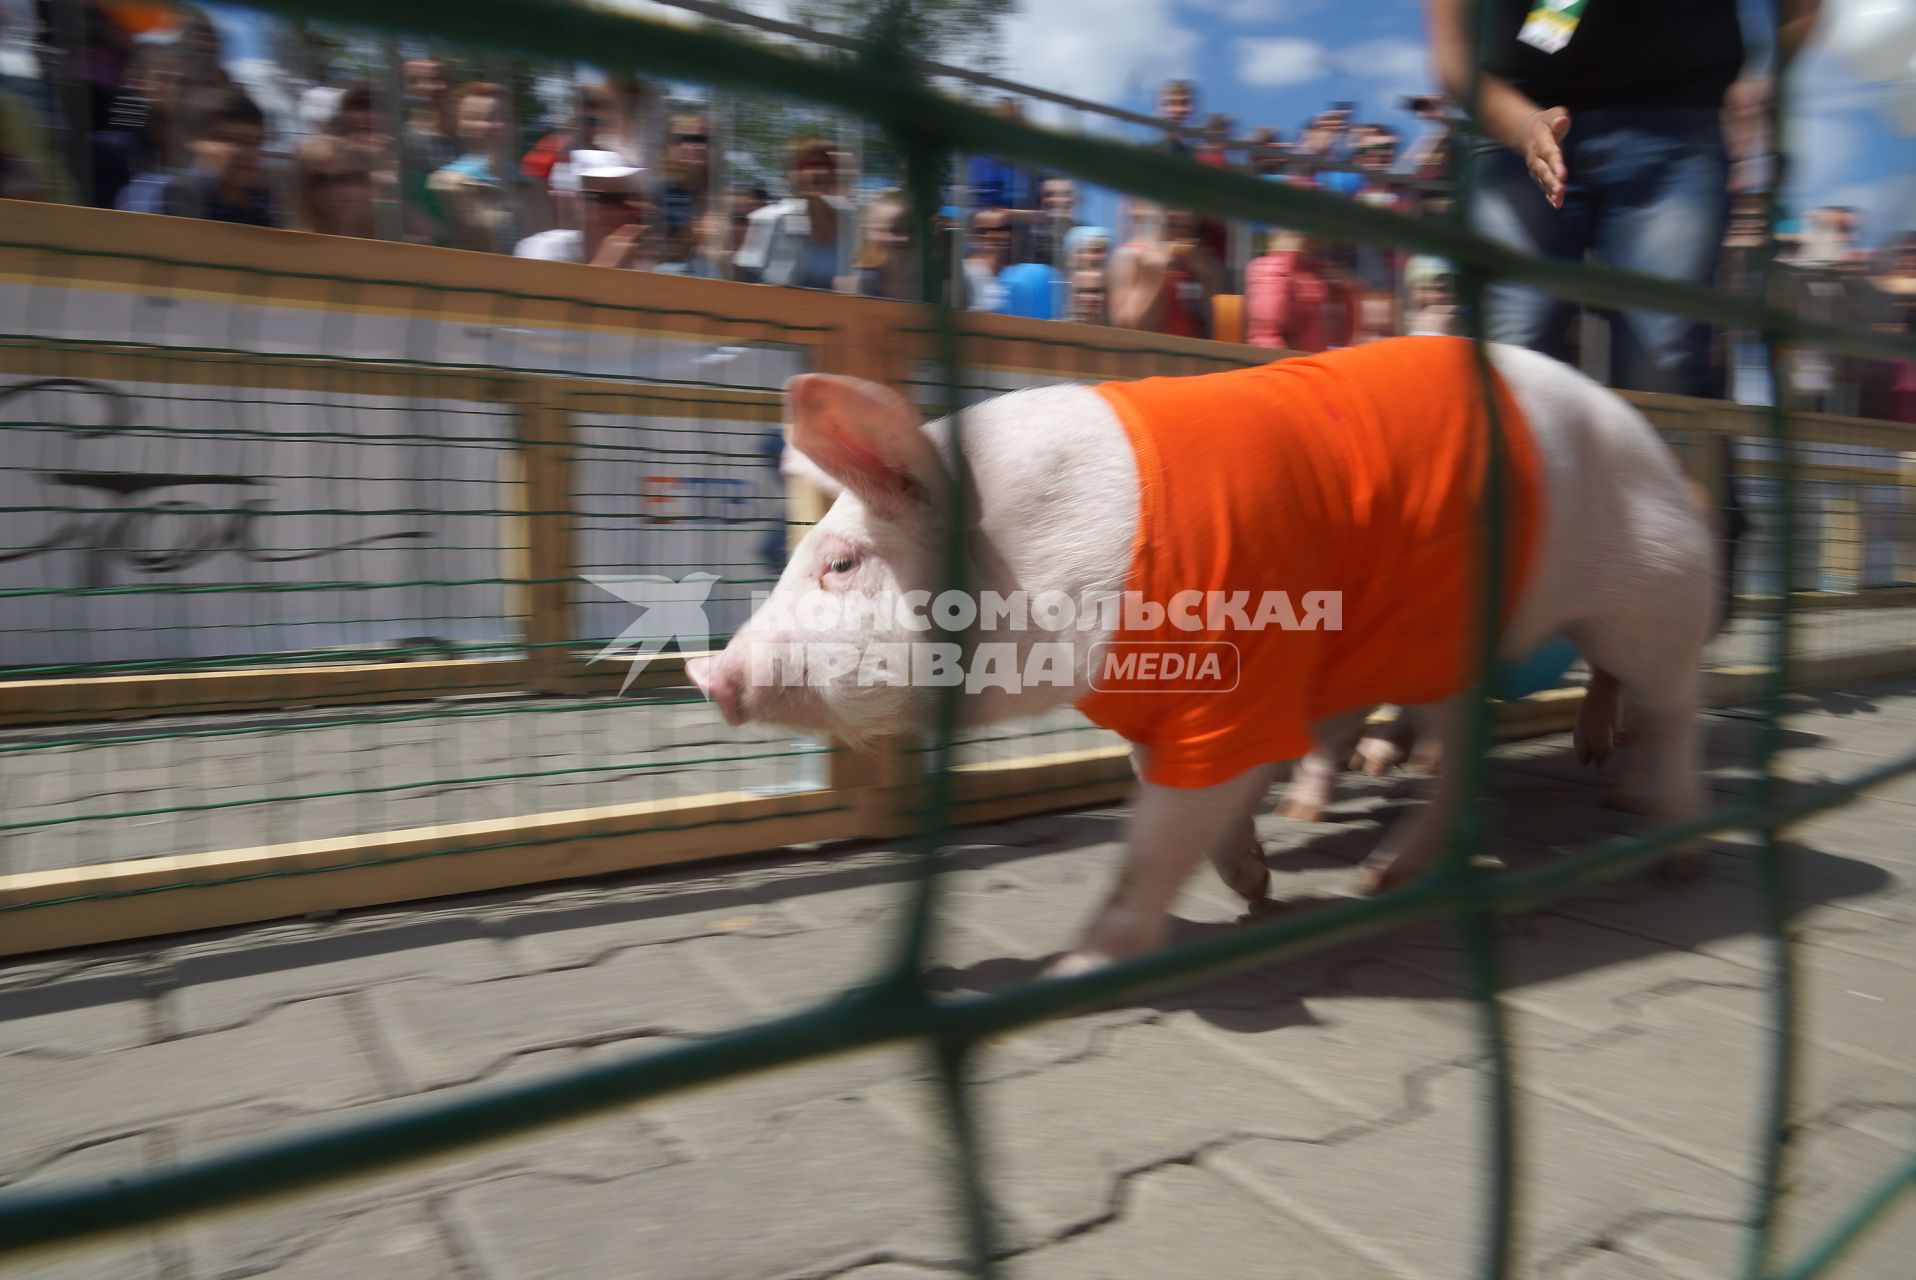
(1170, 830)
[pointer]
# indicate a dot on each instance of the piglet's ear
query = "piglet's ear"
(794, 465)
(866, 437)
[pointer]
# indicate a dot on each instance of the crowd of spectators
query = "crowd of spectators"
(622, 180)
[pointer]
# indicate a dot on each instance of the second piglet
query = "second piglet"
(1308, 532)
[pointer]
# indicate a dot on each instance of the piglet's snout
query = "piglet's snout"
(719, 681)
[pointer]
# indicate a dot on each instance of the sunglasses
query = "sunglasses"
(691, 137)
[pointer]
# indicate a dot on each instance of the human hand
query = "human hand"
(621, 247)
(1539, 141)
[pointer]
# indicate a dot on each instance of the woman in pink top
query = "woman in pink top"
(1294, 301)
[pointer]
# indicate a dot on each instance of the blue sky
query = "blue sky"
(1276, 62)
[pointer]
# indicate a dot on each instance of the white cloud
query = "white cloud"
(1391, 69)
(1097, 49)
(1395, 60)
(1272, 62)
(1260, 11)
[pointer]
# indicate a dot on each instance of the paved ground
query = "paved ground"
(79, 795)
(1316, 1119)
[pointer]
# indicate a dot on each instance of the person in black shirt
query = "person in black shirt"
(1609, 127)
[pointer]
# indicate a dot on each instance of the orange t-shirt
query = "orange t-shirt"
(1356, 471)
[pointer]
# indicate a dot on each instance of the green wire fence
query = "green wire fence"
(897, 1005)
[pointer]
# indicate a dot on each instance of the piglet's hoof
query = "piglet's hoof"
(1373, 878)
(1376, 757)
(1248, 877)
(1301, 811)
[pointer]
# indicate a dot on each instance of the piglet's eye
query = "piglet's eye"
(844, 564)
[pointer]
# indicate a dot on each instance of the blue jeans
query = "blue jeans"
(1646, 192)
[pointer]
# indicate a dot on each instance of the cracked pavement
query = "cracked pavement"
(1321, 1117)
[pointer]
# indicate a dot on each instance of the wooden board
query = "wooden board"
(148, 897)
(250, 689)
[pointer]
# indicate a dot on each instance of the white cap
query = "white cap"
(598, 169)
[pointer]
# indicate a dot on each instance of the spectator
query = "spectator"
(1193, 276)
(805, 240)
(222, 181)
(1574, 129)
(1138, 272)
(1087, 303)
(1375, 156)
(720, 233)
(543, 162)
(134, 137)
(467, 197)
(596, 141)
(334, 189)
(367, 150)
(1429, 157)
(632, 104)
(885, 268)
(1619, 143)
(426, 144)
(1266, 153)
(989, 255)
(107, 60)
(1376, 267)
(1318, 146)
(613, 222)
(724, 233)
(1087, 248)
(1176, 101)
(1086, 256)
(687, 179)
(202, 53)
(1213, 148)
(1295, 297)
(998, 184)
(1059, 211)
(1430, 305)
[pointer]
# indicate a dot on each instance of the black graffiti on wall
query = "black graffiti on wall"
(122, 531)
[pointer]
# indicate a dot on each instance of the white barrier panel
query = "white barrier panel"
(155, 522)
(672, 496)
